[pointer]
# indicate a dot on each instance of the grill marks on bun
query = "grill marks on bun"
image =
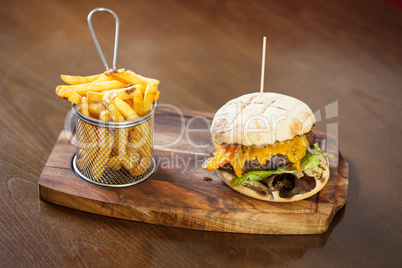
(229, 115)
(255, 120)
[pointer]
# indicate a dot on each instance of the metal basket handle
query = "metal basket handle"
(116, 37)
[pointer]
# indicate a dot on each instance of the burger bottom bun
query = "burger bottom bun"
(257, 190)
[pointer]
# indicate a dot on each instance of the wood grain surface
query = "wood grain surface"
(343, 58)
(181, 194)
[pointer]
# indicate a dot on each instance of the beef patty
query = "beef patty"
(275, 162)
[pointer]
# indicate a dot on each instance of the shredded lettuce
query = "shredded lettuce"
(311, 160)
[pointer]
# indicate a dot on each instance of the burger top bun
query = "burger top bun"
(255, 120)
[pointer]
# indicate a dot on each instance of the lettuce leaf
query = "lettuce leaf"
(261, 175)
(311, 160)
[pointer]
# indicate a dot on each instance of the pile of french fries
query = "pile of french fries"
(115, 95)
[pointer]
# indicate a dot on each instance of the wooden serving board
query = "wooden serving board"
(181, 194)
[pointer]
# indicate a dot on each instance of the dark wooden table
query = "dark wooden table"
(341, 54)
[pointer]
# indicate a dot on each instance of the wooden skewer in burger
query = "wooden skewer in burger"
(265, 149)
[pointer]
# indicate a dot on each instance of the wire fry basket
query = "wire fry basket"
(114, 154)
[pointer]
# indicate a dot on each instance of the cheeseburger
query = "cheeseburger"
(265, 148)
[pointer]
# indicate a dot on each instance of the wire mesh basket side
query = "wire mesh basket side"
(114, 156)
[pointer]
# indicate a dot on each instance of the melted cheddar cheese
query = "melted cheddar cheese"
(237, 155)
(224, 153)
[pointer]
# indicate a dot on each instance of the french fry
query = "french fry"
(62, 93)
(157, 95)
(102, 78)
(130, 102)
(129, 77)
(82, 89)
(96, 108)
(69, 95)
(146, 79)
(130, 161)
(138, 136)
(138, 104)
(140, 88)
(109, 95)
(114, 163)
(145, 149)
(75, 98)
(134, 140)
(140, 146)
(84, 109)
(140, 140)
(76, 80)
(128, 93)
(125, 109)
(86, 143)
(131, 89)
(58, 88)
(121, 139)
(106, 142)
(149, 97)
(104, 115)
(114, 112)
(123, 95)
(95, 96)
(141, 167)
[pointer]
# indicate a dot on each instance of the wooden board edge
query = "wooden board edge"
(343, 183)
(188, 220)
